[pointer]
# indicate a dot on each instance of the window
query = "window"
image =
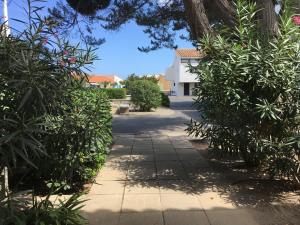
(191, 60)
(184, 60)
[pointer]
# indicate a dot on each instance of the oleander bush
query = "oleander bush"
(53, 132)
(13, 212)
(115, 93)
(165, 101)
(145, 95)
(249, 95)
(77, 140)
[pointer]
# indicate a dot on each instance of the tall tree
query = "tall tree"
(162, 18)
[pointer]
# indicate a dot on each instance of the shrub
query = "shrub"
(36, 75)
(145, 95)
(77, 141)
(50, 129)
(37, 211)
(131, 78)
(115, 93)
(165, 101)
(249, 94)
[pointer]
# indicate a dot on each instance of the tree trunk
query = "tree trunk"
(268, 17)
(199, 24)
(225, 11)
(197, 18)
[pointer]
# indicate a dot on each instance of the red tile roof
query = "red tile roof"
(189, 53)
(101, 79)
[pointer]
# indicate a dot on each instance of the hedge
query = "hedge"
(115, 93)
(77, 141)
(165, 101)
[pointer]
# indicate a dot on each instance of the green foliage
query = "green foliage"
(165, 101)
(145, 95)
(115, 93)
(131, 78)
(249, 94)
(38, 212)
(77, 140)
(51, 131)
(36, 68)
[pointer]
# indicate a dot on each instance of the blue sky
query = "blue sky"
(119, 54)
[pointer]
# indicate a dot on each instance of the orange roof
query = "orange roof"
(101, 79)
(189, 53)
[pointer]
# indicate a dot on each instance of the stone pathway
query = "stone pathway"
(159, 180)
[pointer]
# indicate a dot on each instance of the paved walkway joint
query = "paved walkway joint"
(158, 180)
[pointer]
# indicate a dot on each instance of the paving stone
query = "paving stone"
(161, 142)
(180, 202)
(186, 150)
(220, 216)
(170, 170)
(107, 187)
(145, 218)
(144, 187)
(182, 144)
(123, 141)
(142, 135)
(111, 174)
(166, 156)
(138, 151)
(141, 171)
(141, 147)
(163, 147)
(101, 217)
(118, 158)
(142, 143)
(189, 156)
(120, 146)
(185, 218)
(202, 174)
(141, 203)
(212, 200)
(164, 150)
(195, 164)
(142, 158)
(121, 151)
(175, 187)
(102, 203)
(146, 181)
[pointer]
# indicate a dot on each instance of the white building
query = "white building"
(182, 81)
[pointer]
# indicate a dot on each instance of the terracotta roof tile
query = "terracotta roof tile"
(101, 79)
(189, 53)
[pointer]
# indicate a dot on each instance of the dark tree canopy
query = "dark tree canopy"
(89, 7)
(161, 19)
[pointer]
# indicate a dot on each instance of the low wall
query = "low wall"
(117, 103)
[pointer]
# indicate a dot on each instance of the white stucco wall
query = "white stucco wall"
(117, 79)
(179, 74)
(185, 75)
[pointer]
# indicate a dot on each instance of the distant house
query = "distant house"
(163, 83)
(182, 81)
(104, 81)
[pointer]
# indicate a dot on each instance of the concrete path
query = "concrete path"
(164, 121)
(158, 180)
(154, 176)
